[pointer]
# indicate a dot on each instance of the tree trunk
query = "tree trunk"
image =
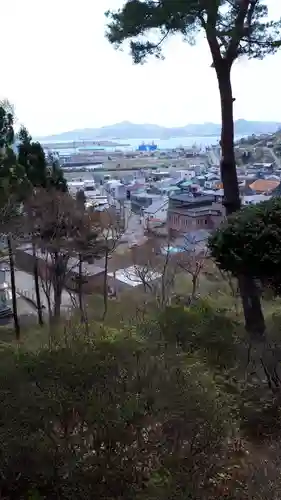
(254, 319)
(13, 288)
(57, 302)
(57, 273)
(80, 290)
(80, 277)
(36, 284)
(194, 287)
(105, 290)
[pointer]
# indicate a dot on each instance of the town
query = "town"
(140, 250)
(175, 191)
(166, 198)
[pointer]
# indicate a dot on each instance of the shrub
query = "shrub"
(108, 419)
(199, 328)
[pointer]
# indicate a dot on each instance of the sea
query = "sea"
(132, 144)
(174, 142)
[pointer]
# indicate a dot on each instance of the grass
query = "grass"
(133, 305)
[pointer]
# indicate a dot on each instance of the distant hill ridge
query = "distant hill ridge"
(128, 130)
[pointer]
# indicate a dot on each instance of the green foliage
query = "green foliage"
(199, 328)
(108, 419)
(6, 127)
(41, 171)
(232, 28)
(13, 180)
(56, 178)
(249, 242)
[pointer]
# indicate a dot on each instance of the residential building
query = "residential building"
(116, 190)
(254, 199)
(180, 175)
(213, 181)
(142, 200)
(263, 186)
(156, 214)
(188, 213)
(218, 194)
(93, 275)
(264, 166)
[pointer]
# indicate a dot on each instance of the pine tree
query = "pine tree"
(232, 28)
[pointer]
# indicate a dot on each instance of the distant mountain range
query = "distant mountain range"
(127, 130)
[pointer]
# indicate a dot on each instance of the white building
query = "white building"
(254, 199)
(88, 186)
(180, 175)
(156, 214)
(116, 190)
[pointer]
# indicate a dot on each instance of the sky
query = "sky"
(61, 73)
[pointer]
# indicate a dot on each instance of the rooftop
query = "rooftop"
(194, 200)
(156, 206)
(132, 275)
(87, 269)
(195, 211)
(263, 185)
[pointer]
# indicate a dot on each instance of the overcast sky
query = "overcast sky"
(61, 73)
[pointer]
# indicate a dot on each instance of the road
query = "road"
(214, 157)
(274, 157)
(25, 285)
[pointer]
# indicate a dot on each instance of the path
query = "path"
(25, 287)
(275, 158)
(214, 157)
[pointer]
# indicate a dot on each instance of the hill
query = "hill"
(128, 130)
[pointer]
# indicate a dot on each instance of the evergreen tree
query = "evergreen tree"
(41, 171)
(232, 28)
(56, 178)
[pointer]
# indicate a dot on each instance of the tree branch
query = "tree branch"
(210, 28)
(239, 28)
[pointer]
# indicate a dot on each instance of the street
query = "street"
(25, 286)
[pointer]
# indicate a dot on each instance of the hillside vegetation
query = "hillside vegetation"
(150, 403)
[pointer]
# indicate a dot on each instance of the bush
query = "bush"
(200, 328)
(108, 419)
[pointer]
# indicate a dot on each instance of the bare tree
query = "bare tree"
(88, 246)
(9, 220)
(233, 287)
(13, 286)
(192, 260)
(169, 270)
(62, 233)
(113, 227)
(143, 275)
(155, 268)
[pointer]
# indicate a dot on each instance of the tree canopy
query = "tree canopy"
(249, 242)
(13, 178)
(232, 27)
(42, 171)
